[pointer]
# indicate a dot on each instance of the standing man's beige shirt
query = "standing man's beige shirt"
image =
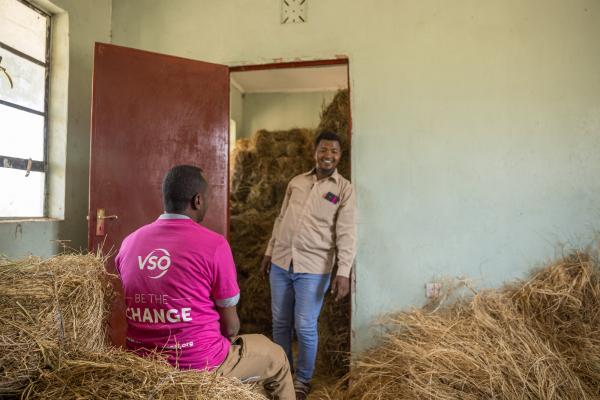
(317, 223)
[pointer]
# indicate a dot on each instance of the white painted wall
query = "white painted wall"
(476, 123)
(283, 111)
(88, 21)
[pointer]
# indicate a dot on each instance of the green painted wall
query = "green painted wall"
(88, 21)
(283, 111)
(476, 123)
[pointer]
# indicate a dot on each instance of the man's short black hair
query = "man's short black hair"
(180, 185)
(328, 135)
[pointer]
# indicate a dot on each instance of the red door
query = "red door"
(149, 113)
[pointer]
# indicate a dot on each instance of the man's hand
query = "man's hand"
(265, 266)
(340, 287)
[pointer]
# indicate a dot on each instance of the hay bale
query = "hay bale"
(260, 176)
(534, 339)
(262, 142)
(334, 337)
(242, 144)
(293, 149)
(49, 308)
(248, 230)
(263, 196)
(279, 149)
(115, 374)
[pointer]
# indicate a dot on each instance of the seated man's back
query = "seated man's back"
(172, 270)
(181, 293)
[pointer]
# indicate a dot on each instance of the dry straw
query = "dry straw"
(115, 374)
(53, 336)
(49, 308)
(262, 170)
(334, 324)
(538, 339)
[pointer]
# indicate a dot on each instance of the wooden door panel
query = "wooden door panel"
(149, 113)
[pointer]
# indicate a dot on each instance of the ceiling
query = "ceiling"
(307, 79)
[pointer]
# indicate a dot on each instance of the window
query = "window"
(24, 77)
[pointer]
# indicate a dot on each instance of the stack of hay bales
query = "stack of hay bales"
(50, 308)
(538, 339)
(334, 325)
(53, 336)
(262, 168)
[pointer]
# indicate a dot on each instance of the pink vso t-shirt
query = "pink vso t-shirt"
(172, 271)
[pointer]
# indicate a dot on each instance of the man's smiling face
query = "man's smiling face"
(327, 155)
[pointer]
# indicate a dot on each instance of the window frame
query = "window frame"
(28, 164)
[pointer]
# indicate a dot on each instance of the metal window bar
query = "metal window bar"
(24, 163)
(22, 55)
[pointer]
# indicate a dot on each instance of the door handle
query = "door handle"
(100, 217)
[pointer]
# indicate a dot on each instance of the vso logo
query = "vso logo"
(157, 259)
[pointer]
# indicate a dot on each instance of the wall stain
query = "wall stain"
(18, 231)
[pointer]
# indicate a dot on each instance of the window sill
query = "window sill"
(19, 220)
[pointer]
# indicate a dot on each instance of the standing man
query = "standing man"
(315, 227)
(181, 292)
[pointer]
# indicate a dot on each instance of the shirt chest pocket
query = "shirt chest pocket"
(324, 209)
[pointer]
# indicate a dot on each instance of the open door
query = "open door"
(149, 113)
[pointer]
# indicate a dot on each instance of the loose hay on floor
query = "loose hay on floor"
(116, 374)
(47, 309)
(537, 339)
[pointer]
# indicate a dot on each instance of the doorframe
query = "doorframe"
(341, 60)
(290, 64)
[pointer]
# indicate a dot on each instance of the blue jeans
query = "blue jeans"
(296, 301)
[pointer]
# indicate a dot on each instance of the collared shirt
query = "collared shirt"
(173, 216)
(317, 222)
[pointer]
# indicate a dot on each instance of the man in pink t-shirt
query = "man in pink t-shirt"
(181, 292)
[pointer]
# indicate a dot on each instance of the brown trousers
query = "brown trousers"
(256, 359)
